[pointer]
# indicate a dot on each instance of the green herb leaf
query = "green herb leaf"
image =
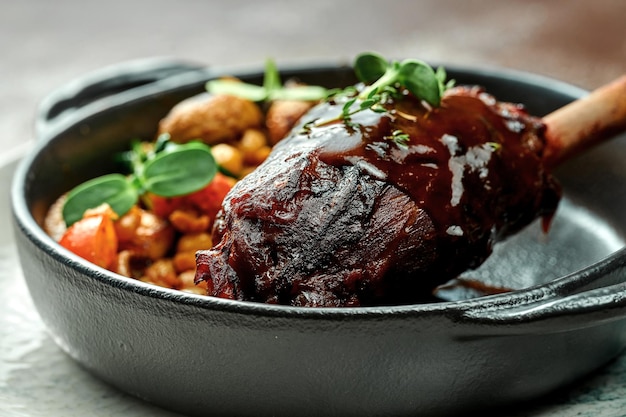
(183, 170)
(421, 80)
(399, 138)
(300, 93)
(416, 76)
(384, 79)
(347, 106)
(444, 84)
(271, 78)
(115, 189)
(369, 67)
(169, 170)
(272, 88)
(237, 88)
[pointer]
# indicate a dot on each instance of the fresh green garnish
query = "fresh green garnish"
(114, 189)
(167, 170)
(373, 101)
(495, 146)
(399, 138)
(419, 78)
(384, 80)
(272, 88)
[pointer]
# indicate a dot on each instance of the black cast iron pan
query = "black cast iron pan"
(207, 356)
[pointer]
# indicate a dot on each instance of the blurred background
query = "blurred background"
(45, 44)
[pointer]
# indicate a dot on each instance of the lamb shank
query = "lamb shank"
(344, 215)
(382, 210)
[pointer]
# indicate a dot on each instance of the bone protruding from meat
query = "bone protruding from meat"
(584, 123)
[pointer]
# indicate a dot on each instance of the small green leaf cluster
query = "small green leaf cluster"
(374, 101)
(419, 78)
(272, 88)
(353, 105)
(383, 81)
(168, 169)
(399, 138)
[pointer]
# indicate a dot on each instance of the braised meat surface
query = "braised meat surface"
(358, 214)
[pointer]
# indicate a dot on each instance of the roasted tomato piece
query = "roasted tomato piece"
(209, 199)
(93, 238)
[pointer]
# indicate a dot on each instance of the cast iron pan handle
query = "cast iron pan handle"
(565, 308)
(64, 102)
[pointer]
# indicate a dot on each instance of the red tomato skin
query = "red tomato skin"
(164, 206)
(209, 199)
(92, 238)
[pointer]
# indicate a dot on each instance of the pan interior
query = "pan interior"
(577, 238)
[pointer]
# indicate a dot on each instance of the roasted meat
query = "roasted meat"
(381, 210)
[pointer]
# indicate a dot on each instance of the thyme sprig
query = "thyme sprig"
(399, 138)
(374, 101)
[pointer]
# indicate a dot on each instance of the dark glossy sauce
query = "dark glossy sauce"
(460, 162)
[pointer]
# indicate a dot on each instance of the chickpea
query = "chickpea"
(186, 283)
(130, 265)
(189, 221)
(162, 273)
(54, 225)
(123, 264)
(258, 156)
(184, 261)
(228, 157)
(187, 247)
(126, 226)
(194, 242)
(252, 140)
(151, 238)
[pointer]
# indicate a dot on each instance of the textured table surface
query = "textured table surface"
(45, 44)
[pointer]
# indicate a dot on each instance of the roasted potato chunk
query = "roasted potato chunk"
(282, 116)
(210, 118)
